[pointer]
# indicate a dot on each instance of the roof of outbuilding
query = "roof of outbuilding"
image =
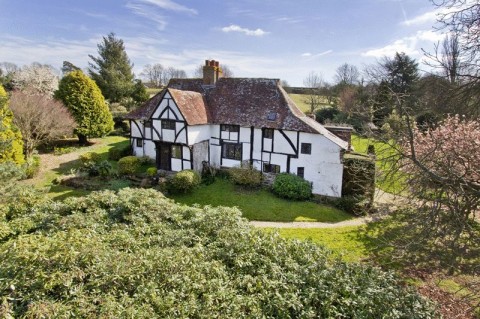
(246, 102)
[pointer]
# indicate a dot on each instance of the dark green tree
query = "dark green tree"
(85, 101)
(401, 73)
(140, 93)
(68, 67)
(11, 145)
(112, 69)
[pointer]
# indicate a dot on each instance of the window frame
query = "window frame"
(230, 128)
(167, 123)
(237, 151)
(270, 133)
(271, 168)
(302, 170)
(174, 149)
(306, 148)
(147, 124)
(139, 142)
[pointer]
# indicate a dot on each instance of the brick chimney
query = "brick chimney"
(211, 72)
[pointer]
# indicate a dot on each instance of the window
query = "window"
(271, 168)
(139, 142)
(272, 116)
(147, 124)
(306, 148)
(301, 171)
(176, 151)
(268, 133)
(230, 128)
(232, 151)
(168, 124)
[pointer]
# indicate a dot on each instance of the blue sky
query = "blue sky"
(255, 38)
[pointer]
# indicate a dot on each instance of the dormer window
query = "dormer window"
(272, 116)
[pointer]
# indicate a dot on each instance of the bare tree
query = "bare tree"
(314, 83)
(154, 74)
(226, 71)
(173, 73)
(347, 74)
(40, 119)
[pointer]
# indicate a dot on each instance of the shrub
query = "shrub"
(63, 150)
(90, 157)
(358, 177)
(291, 186)
(137, 254)
(128, 165)
(184, 181)
(245, 176)
(145, 160)
(116, 153)
(32, 166)
(152, 171)
(326, 114)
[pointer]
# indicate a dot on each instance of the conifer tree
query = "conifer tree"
(11, 145)
(85, 101)
(112, 69)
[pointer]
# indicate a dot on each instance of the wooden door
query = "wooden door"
(164, 155)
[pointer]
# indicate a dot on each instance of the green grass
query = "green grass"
(260, 204)
(345, 242)
(300, 101)
(152, 91)
(388, 182)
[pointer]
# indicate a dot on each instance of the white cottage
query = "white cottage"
(224, 121)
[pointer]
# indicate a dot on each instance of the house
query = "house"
(226, 121)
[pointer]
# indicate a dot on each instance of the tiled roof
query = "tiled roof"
(238, 101)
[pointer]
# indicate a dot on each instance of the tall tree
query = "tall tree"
(7, 70)
(314, 83)
(11, 145)
(40, 119)
(347, 74)
(112, 70)
(85, 101)
(153, 74)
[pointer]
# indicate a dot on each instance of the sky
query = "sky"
(284, 39)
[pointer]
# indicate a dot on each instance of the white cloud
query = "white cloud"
(236, 28)
(310, 55)
(169, 5)
(409, 45)
(146, 12)
(428, 17)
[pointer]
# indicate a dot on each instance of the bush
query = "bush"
(128, 165)
(116, 153)
(326, 114)
(152, 171)
(245, 176)
(90, 157)
(359, 177)
(32, 167)
(291, 186)
(184, 181)
(137, 254)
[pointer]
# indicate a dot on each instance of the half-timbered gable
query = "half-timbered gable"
(227, 121)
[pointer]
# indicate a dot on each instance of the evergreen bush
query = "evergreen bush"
(245, 175)
(32, 166)
(291, 186)
(128, 165)
(90, 157)
(152, 171)
(137, 254)
(11, 144)
(116, 153)
(184, 181)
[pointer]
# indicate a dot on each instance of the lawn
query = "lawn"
(345, 242)
(391, 183)
(260, 204)
(300, 101)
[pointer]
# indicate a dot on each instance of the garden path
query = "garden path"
(383, 200)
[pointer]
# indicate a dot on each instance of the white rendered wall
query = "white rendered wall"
(199, 133)
(281, 144)
(149, 149)
(134, 131)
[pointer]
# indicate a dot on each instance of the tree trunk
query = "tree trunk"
(82, 139)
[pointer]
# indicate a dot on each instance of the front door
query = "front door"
(164, 155)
